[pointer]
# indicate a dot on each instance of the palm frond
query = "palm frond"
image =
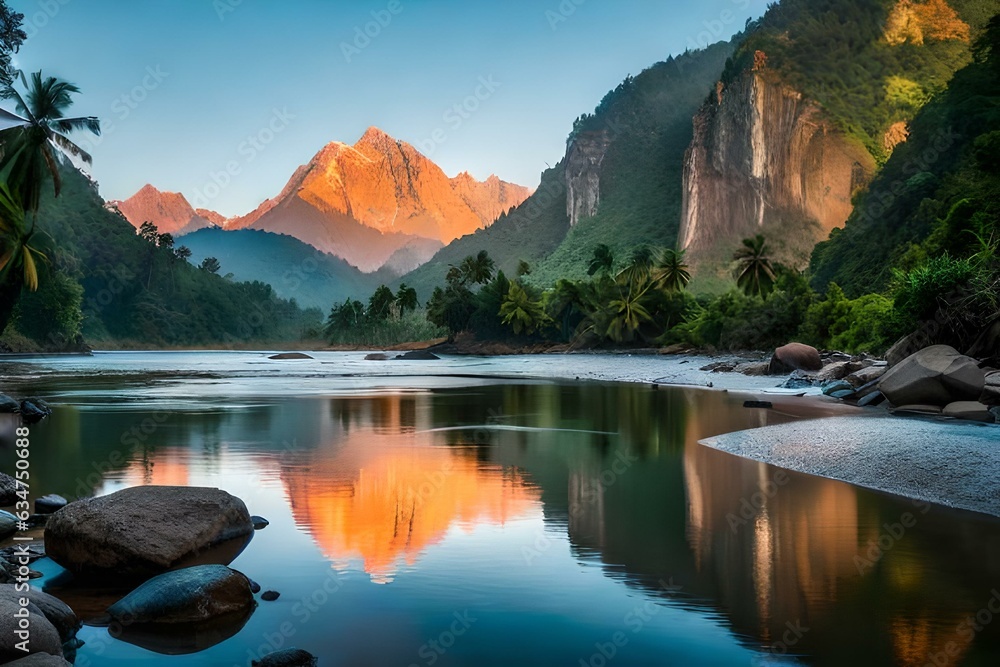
(30, 269)
(71, 148)
(89, 123)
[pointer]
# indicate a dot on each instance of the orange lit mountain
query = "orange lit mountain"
(378, 199)
(377, 203)
(169, 211)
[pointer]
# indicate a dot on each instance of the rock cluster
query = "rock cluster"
(938, 380)
(173, 544)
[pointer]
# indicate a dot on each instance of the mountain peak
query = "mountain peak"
(374, 136)
(170, 211)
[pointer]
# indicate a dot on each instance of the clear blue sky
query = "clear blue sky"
(228, 70)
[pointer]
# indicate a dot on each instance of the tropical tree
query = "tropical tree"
(754, 270)
(39, 126)
(478, 270)
(11, 38)
(565, 305)
(406, 299)
(602, 262)
(183, 253)
(19, 257)
(211, 264)
(380, 305)
(628, 310)
(670, 272)
(521, 312)
(639, 265)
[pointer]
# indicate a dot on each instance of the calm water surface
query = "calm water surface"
(421, 518)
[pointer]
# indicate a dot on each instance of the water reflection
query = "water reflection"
(790, 564)
(384, 493)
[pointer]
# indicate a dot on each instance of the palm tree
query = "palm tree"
(565, 304)
(602, 261)
(670, 272)
(39, 125)
(754, 270)
(628, 310)
(640, 264)
(479, 269)
(18, 257)
(521, 312)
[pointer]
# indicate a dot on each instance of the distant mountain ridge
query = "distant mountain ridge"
(379, 201)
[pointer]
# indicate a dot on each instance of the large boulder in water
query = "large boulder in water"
(56, 612)
(795, 357)
(191, 595)
(936, 375)
(140, 532)
(43, 638)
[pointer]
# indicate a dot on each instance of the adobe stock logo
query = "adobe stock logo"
(366, 34)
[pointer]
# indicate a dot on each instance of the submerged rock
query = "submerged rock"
(34, 410)
(50, 503)
(834, 387)
(289, 356)
(795, 357)
(872, 399)
(8, 405)
(259, 522)
(194, 594)
(800, 380)
(143, 531)
(419, 355)
(290, 657)
(270, 596)
(936, 375)
(44, 638)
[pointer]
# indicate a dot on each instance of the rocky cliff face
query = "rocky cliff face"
(375, 201)
(389, 186)
(765, 158)
(169, 211)
(583, 174)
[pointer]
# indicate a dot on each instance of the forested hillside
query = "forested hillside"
(294, 269)
(114, 287)
(939, 194)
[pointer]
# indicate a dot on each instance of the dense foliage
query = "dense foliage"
(648, 120)
(928, 227)
(387, 319)
(135, 289)
(869, 63)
